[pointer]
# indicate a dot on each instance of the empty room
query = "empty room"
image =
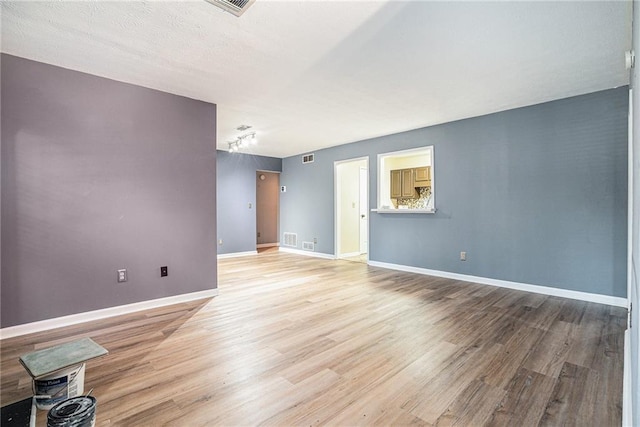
(291, 212)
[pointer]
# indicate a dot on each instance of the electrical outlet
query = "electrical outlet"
(250, 205)
(164, 271)
(315, 240)
(463, 256)
(258, 234)
(122, 275)
(220, 242)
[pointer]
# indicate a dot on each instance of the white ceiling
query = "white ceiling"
(313, 74)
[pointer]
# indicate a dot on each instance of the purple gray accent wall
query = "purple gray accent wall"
(99, 175)
(1, 174)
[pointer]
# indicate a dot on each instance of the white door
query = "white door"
(364, 205)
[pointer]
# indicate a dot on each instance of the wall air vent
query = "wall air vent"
(307, 158)
(235, 7)
(308, 246)
(290, 239)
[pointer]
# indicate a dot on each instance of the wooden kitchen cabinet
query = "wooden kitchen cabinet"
(422, 176)
(408, 188)
(396, 184)
(402, 185)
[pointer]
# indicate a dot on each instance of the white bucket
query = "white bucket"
(74, 412)
(58, 386)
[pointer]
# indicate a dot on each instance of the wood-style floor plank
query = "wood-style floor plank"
(295, 340)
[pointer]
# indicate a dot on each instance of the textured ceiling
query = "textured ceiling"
(308, 75)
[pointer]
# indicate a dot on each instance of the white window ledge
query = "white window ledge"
(404, 211)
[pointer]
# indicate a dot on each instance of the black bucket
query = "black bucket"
(74, 412)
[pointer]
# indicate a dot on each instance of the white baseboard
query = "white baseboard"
(627, 396)
(545, 290)
(350, 254)
(237, 254)
(73, 319)
(307, 253)
(267, 245)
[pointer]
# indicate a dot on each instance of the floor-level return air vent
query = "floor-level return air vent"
(290, 239)
(308, 246)
(236, 7)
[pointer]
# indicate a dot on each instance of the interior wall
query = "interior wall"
(267, 207)
(236, 195)
(535, 195)
(1, 174)
(408, 162)
(97, 176)
(634, 296)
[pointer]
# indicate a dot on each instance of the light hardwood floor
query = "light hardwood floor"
(294, 340)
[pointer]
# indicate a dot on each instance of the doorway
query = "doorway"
(267, 209)
(352, 209)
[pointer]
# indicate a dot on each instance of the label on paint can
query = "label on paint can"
(59, 386)
(56, 388)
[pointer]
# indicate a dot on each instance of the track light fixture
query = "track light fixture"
(242, 141)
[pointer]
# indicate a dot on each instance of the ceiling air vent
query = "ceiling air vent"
(236, 7)
(307, 158)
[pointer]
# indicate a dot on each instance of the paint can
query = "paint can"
(58, 386)
(74, 412)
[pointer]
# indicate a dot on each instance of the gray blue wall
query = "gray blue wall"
(536, 195)
(236, 190)
(99, 175)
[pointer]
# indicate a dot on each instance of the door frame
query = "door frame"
(255, 203)
(630, 201)
(363, 210)
(336, 192)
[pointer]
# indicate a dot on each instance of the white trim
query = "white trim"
(267, 245)
(307, 253)
(237, 254)
(630, 178)
(627, 396)
(336, 206)
(545, 290)
(350, 254)
(404, 211)
(73, 319)
(363, 210)
(381, 171)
